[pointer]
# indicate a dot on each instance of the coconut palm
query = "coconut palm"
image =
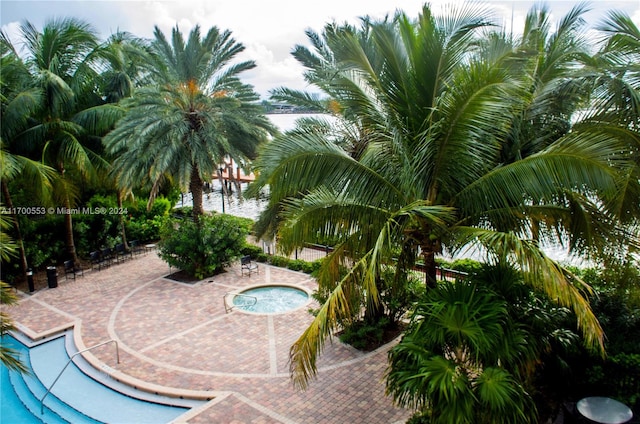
(9, 357)
(59, 61)
(431, 111)
(194, 114)
(18, 102)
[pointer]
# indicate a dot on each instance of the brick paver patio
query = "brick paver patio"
(177, 339)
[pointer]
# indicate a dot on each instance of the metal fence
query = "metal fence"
(313, 252)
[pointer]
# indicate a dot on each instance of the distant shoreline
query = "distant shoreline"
(291, 112)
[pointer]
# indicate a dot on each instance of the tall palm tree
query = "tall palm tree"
(17, 102)
(59, 61)
(121, 68)
(8, 356)
(432, 112)
(194, 114)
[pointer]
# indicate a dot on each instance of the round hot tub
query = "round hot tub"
(274, 299)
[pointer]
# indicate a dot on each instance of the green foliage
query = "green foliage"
(469, 266)
(205, 248)
(365, 335)
(252, 250)
(474, 348)
(43, 240)
(144, 229)
(285, 262)
(616, 377)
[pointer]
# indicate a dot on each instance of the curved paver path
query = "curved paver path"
(177, 338)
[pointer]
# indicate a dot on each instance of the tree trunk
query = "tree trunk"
(121, 218)
(68, 231)
(195, 185)
(23, 255)
(430, 268)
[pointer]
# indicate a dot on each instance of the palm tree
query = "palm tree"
(473, 348)
(121, 69)
(456, 360)
(194, 114)
(9, 357)
(18, 102)
(59, 63)
(431, 112)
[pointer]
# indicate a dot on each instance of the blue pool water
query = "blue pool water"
(75, 397)
(271, 299)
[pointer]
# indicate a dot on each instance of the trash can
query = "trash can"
(52, 277)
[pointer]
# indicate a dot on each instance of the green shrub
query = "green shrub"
(365, 335)
(469, 266)
(252, 250)
(203, 249)
(143, 229)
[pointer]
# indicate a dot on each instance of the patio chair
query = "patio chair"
(96, 260)
(246, 264)
(71, 268)
(121, 252)
(135, 247)
(107, 255)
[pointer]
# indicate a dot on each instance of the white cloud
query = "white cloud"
(268, 29)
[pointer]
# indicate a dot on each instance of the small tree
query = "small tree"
(203, 249)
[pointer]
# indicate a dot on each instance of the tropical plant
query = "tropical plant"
(203, 249)
(414, 163)
(64, 116)
(493, 323)
(193, 115)
(456, 360)
(8, 356)
(18, 101)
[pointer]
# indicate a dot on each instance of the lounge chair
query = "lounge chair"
(107, 255)
(71, 268)
(121, 252)
(96, 260)
(135, 247)
(246, 264)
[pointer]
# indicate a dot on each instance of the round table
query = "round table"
(604, 410)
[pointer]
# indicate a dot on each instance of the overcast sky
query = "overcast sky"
(269, 29)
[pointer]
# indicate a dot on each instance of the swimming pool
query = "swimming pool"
(272, 299)
(75, 397)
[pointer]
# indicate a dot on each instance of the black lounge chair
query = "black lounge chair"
(71, 268)
(247, 264)
(107, 255)
(96, 260)
(135, 247)
(121, 252)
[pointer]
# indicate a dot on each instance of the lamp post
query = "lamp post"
(30, 280)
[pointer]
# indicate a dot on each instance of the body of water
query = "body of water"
(251, 208)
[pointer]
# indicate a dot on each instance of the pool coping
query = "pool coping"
(233, 308)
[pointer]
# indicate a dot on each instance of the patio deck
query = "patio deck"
(176, 339)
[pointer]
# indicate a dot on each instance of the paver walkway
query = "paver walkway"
(177, 339)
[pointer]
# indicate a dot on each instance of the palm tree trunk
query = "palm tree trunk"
(430, 268)
(195, 185)
(121, 218)
(16, 225)
(68, 231)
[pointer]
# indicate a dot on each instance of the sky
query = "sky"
(269, 29)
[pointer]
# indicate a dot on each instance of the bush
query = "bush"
(469, 266)
(365, 335)
(203, 249)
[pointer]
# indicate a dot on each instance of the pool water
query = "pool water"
(271, 299)
(75, 397)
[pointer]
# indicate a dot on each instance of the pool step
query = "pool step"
(30, 390)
